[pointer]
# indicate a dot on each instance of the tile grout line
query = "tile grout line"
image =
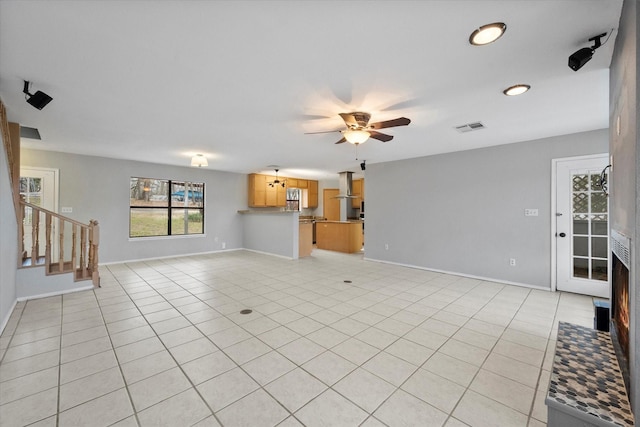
(213, 413)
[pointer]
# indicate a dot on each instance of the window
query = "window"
(162, 207)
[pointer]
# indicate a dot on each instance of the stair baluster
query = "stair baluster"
(86, 268)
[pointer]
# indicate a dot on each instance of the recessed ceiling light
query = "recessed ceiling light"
(487, 33)
(516, 90)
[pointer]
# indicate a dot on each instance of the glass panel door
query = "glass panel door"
(582, 229)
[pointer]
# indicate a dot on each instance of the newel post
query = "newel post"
(94, 241)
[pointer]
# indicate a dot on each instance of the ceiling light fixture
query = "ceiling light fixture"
(582, 56)
(39, 99)
(518, 89)
(199, 161)
(487, 33)
(356, 136)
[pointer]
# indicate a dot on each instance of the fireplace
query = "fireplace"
(620, 265)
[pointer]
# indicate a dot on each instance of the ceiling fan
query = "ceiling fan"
(276, 181)
(359, 129)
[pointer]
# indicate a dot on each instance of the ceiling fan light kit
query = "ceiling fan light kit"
(359, 129)
(356, 136)
(487, 33)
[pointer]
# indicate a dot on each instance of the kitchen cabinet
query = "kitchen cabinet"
(257, 190)
(305, 239)
(357, 189)
(339, 236)
(312, 193)
(297, 183)
(262, 195)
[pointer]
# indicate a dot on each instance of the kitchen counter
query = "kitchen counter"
(340, 236)
(271, 231)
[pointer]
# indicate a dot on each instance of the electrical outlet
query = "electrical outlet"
(215, 239)
(224, 245)
(531, 212)
(386, 246)
(512, 262)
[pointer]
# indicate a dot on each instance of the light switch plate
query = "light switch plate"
(66, 210)
(531, 212)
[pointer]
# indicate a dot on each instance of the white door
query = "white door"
(39, 186)
(582, 227)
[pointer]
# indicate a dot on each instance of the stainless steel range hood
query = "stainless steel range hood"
(345, 186)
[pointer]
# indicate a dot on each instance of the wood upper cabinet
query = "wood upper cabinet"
(257, 190)
(297, 183)
(312, 188)
(281, 196)
(357, 189)
(262, 195)
(272, 193)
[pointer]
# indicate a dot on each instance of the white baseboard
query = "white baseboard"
(53, 294)
(7, 317)
(454, 273)
(269, 253)
(171, 256)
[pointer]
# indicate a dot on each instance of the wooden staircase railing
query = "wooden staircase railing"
(78, 240)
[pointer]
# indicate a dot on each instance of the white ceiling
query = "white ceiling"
(242, 81)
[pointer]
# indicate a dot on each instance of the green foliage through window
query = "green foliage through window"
(152, 202)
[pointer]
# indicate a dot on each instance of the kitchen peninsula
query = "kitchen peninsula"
(340, 236)
(278, 233)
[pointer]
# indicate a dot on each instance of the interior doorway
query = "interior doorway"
(581, 226)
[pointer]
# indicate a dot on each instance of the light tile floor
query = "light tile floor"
(163, 343)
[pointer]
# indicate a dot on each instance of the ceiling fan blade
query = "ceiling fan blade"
(324, 131)
(401, 121)
(342, 140)
(380, 136)
(356, 119)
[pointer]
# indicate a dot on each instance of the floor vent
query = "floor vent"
(470, 127)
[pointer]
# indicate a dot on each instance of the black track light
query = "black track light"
(38, 99)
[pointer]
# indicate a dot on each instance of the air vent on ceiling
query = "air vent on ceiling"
(30, 133)
(470, 127)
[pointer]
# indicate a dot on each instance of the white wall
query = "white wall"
(464, 212)
(98, 188)
(8, 243)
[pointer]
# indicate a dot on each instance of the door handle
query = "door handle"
(561, 234)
